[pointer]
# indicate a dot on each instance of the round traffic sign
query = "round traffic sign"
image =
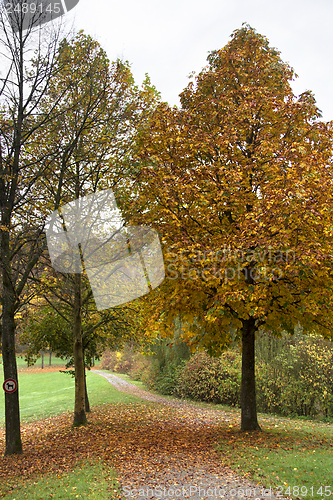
(9, 385)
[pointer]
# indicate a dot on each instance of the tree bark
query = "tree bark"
(86, 399)
(249, 420)
(12, 408)
(79, 408)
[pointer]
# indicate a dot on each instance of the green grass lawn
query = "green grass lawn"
(51, 393)
(45, 394)
(89, 480)
(21, 363)
(294, 456)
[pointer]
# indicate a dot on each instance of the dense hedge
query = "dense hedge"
(298, 380)
(215, 380)
(119, 362)
(294, 375)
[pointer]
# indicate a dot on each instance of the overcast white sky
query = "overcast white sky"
(169, 39)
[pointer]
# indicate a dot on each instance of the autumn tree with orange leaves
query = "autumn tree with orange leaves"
(238, 182)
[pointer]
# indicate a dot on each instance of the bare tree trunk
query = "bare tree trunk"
(87, 404)
(249, 420)
(79, 408)
(50, 359)
(12, 409)
(42, 360)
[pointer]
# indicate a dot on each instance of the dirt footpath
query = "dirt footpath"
(176, 458)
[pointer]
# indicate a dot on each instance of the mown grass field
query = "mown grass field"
(56, 362)
(91, 480)
(293, 457)
(52, 393)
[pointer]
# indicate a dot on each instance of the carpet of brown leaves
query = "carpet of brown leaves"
(150, 444)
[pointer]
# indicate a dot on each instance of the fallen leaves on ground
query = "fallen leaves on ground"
(148, 443)
(39, 369)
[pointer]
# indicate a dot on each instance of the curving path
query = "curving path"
(181, 461)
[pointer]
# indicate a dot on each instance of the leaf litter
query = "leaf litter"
(160, 448)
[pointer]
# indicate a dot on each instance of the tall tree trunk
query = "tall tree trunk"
(249, 420)
(12, 408)
(86, 399)
(79, 408)
(50, 358)
(42, 360)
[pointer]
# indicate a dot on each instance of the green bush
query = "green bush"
(109, 360)
(140, 367)
(268, 388)
(215, 380)
(298, 380)
(230, 384)
(119, 362)
(166, 381)
(167, 358)
(199, 379)
(294, 374)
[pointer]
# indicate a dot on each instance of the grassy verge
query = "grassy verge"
(294, 458)
(91, 480)
(52, 393)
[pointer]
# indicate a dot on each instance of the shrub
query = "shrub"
(140, 366)
(109, 360)
(119, 362)
(166, 381)
(168, 355)
(230, 384)
(208, 379)
(269, 385)
(294, 374)
(299, 380)
(125, 360)
(197, 379)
